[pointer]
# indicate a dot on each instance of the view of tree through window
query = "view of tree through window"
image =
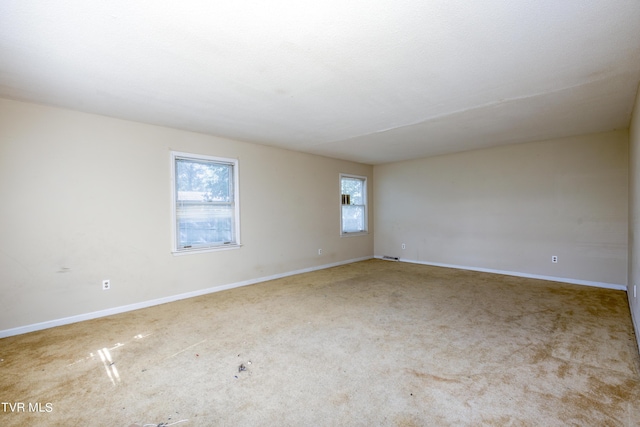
(204, 203)
(354, 218)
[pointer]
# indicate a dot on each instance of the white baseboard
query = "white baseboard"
(130, 307)
(517, 274)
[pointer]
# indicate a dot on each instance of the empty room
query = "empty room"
(395, 213)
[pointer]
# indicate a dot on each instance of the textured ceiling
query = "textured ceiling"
(372, 81)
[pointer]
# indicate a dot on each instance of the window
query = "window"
(353, 218)
(205, 208)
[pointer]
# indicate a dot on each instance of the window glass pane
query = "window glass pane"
(201, 224)
(353, 187)
(203, 181)
(354, 200)
(205, 205)
(352, 218)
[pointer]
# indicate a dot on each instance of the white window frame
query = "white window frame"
(366, 206)
(175, 155)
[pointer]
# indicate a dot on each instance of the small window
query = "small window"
(353, 200)
(205, 208)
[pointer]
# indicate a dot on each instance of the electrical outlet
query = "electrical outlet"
(554, 259)
(319, 251)
(404, 246)
(106, 285)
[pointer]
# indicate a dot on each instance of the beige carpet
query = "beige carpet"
(371, 343)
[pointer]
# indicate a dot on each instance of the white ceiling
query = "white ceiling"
(373, 81)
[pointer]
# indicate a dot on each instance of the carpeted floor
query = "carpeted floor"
(370, 343)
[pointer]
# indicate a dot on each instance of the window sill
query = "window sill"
(355, 233)
(203, 250)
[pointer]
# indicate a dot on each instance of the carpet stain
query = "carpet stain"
(340, 399)
(431, 378)
(407, 421)
(563, 370)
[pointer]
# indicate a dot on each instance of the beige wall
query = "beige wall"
(86, 198)
(634, 215)
(511, 208)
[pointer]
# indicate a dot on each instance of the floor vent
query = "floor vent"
(391, 258)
